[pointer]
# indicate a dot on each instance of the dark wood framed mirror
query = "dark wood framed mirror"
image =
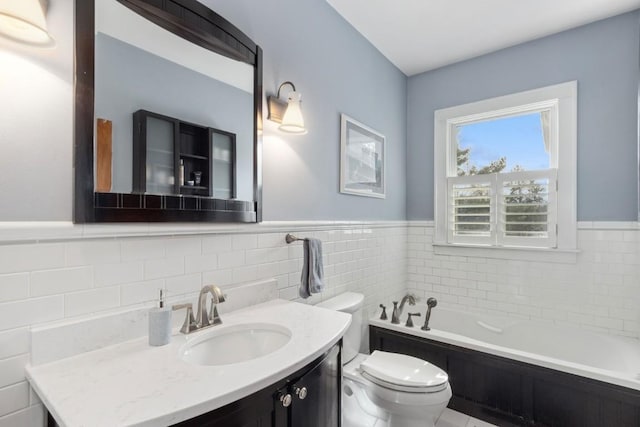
(159, 136)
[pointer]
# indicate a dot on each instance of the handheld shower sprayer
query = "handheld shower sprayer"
(431, 303)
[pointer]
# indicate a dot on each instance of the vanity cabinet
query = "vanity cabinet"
(308, 398)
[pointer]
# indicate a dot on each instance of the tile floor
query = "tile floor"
(450, 418)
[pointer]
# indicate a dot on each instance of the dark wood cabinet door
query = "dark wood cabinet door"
(316, 395)
(256, 410)
(282, 407)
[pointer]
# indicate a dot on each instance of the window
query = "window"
(505, 170)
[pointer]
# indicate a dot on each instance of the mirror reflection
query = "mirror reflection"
(170, 116)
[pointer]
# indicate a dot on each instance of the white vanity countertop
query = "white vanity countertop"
(133, 384)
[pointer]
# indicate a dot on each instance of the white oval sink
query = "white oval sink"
(226, 345)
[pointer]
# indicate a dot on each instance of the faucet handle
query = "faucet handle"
(383, 316)
(189, 324)
(409, 321)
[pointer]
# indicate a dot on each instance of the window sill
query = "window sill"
(561, 256)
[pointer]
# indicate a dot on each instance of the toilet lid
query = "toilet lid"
(404, 372)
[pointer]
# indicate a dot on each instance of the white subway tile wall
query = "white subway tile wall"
(600, 292)
(50, 281)
(44, 282)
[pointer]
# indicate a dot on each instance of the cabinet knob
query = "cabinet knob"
(301, 392)
(285, 399)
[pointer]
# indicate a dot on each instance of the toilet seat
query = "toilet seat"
(403, 373)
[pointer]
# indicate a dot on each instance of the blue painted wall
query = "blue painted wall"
(337, 71)
(602, 57)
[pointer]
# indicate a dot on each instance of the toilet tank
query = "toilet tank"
(348, 302)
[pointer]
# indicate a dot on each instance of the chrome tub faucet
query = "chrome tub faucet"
(397, 311)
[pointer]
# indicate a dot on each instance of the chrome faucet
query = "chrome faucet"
(203, 319)
(397, 311)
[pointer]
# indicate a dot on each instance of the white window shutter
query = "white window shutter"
(472, 209)
(527, 208)
(505, 209)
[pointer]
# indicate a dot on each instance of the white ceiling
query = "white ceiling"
(420, 35)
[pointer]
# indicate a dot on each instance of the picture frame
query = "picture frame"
(362, 159)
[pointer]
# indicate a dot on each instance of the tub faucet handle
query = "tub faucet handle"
(395, 317)
(383, 316)
(409, 323)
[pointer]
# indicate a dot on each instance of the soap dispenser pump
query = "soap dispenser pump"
(160, 323)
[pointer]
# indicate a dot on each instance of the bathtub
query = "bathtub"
(519, 370)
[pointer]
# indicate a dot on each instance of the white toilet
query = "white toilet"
(385, 389)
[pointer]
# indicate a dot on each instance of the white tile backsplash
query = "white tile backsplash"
(216, 244)
(199, 263)
(22, 258)
(231, 259)
(12, 370)
(14, 286)
(60, 281)
(244, 241)
(140, 292)
(164, 267)
(142, 249)
(92, 252)
(91, 301)
(31, 311)
(183, 284)
(220, 277)
(114, 274)
(14, 342)
(29, 417)
(181, 246)
(14, 398)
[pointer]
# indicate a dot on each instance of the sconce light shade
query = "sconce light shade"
(24, 21)
(293, 122)
(288, 114)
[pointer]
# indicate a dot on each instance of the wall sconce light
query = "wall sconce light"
(24, 21)
(288, 114)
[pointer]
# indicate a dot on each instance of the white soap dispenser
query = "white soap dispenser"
(160, 323)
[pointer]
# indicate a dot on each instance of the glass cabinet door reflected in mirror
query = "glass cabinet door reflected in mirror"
(177, 95)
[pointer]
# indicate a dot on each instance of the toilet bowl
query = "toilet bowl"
(386, 389)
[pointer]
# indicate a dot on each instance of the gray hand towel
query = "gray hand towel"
(311, 281)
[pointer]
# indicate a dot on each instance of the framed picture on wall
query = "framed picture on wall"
(361, 159)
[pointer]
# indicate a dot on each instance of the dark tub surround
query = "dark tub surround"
(512, 393)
